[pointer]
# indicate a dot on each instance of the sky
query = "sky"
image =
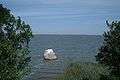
(85, 17)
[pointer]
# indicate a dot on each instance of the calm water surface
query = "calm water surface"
(69, 48)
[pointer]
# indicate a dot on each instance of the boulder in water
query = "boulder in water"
(49, 54)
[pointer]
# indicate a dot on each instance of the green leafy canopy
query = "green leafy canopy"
(109, 53)
(15, 35)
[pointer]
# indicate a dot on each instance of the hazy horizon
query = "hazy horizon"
(68, 34)
(83, 17)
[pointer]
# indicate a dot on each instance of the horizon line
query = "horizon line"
(66, 34)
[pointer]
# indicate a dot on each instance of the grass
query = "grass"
(83, 71)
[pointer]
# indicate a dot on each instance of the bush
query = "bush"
(84, 71)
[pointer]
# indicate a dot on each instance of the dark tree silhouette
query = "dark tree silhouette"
(14, 39)
(109, 53)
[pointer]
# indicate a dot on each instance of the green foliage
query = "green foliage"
(84, 71)
(109, 53)
(14, 39)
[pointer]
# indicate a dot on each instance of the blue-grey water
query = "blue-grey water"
(69, 48)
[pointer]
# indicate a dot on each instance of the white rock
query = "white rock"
(49, 54)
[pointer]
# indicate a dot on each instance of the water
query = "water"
(69, 48)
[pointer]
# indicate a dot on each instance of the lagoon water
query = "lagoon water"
(69, 48)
